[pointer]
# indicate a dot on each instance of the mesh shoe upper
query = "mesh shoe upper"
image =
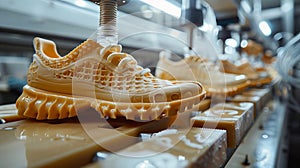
(107, 73)
(195, 68)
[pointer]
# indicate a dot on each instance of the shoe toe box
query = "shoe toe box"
(178, 90)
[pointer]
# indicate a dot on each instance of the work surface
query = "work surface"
(229, 132)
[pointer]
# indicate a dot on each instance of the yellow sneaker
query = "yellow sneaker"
(256, 77)
(195, 68)
(103, 78)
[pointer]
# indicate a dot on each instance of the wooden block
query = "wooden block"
(66, 143)
(265, 141)
(170, 148)
(256, 100)
(235, 118)
(265, 94)
(259, 97)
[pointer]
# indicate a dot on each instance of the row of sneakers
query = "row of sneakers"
(112, 83)
(226, 78)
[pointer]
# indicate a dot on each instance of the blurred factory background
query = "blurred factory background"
(71, 21)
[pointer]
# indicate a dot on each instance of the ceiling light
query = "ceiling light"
(81, 3)
(244, 43)
(265, 28)
(231, 42)
(164, 6)
(246, 6)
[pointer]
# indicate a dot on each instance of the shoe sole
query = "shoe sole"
(44, 105)
(260, 81)
(228, 91)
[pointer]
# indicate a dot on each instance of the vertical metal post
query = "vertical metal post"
(287, 8)
(191, 17)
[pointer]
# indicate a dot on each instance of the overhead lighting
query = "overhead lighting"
(164, 6)
(81, 3)
(244, 43)
(265, 28)
(246, 6)
(231, 42)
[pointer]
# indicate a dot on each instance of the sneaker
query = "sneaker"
(195, 68)
(256, 76)
(103, 78)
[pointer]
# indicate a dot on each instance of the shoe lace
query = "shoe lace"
(123, 62)
(203, 62)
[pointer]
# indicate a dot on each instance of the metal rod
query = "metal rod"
(108, 12)
(107, 32)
